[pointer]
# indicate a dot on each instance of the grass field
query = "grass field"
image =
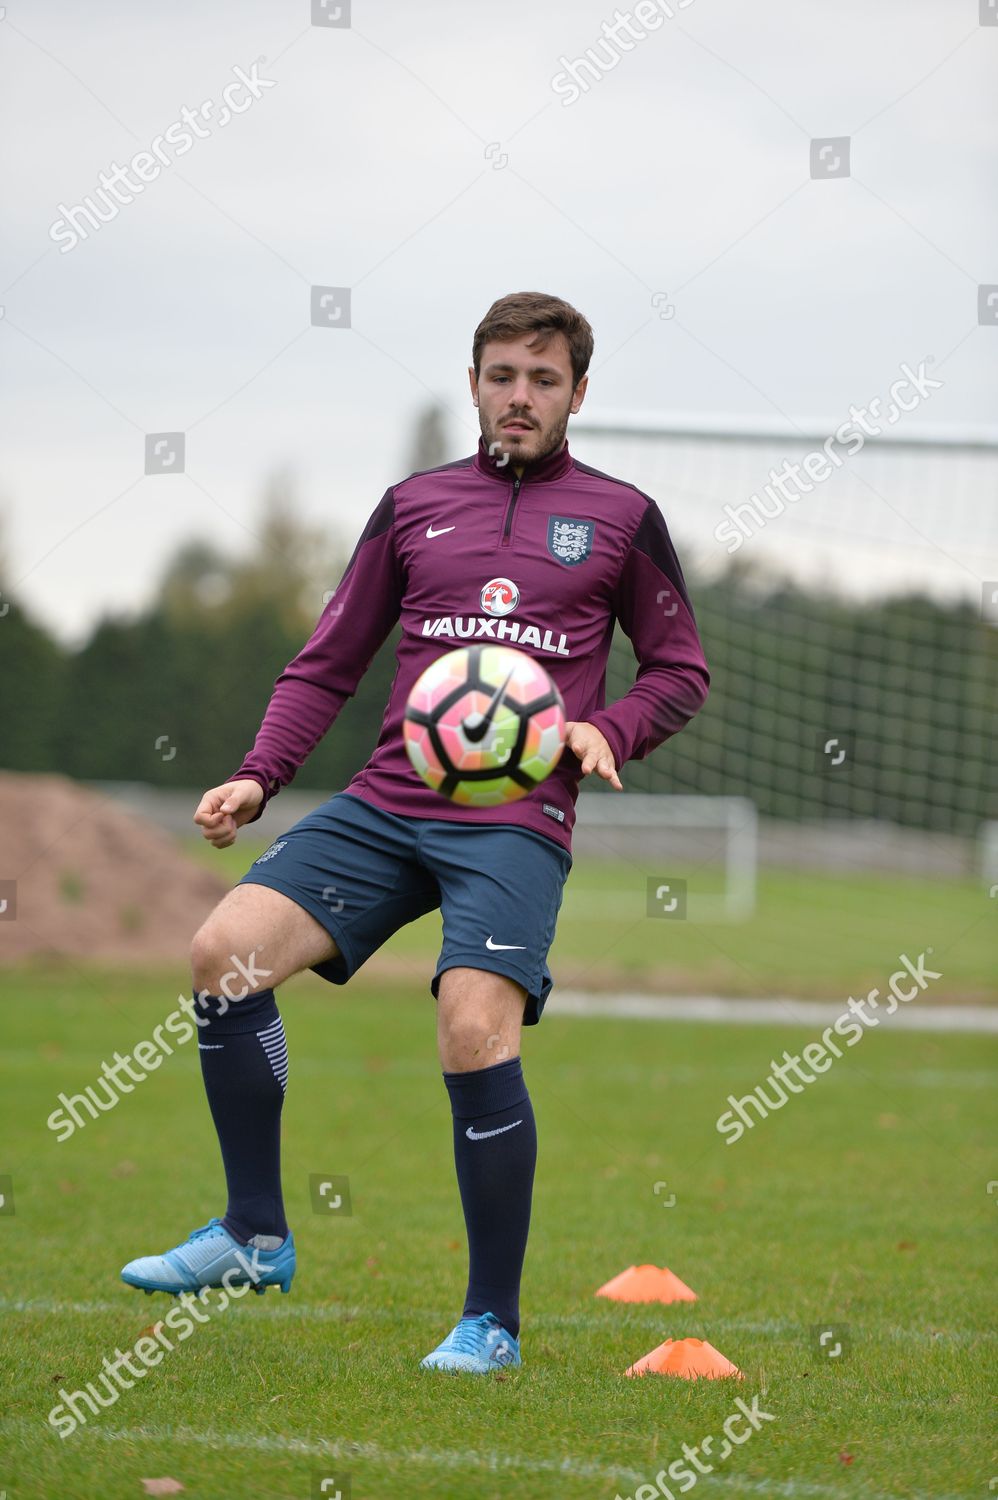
(861, 1206)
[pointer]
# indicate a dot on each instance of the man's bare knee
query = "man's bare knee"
(253, 940)
(479, 1016)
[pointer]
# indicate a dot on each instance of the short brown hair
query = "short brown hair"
(536, 312)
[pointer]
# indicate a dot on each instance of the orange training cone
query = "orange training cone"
(691, 1359)
(647, 1284)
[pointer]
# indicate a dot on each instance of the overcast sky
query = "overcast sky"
(422, 157)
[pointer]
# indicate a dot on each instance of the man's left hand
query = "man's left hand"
(594, 752)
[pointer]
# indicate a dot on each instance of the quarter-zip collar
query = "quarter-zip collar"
(554, 466)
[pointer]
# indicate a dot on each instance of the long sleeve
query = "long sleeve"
(653, 608)
(314, 686)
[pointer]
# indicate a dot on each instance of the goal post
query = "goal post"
(682, 845)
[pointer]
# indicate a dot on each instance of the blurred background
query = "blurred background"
(212, 375)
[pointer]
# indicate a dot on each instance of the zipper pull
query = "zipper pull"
(507, 525)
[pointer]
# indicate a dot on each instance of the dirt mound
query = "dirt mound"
(82, 878)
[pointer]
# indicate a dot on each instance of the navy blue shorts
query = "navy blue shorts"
(363, 873)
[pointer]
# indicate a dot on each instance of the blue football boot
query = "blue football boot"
(210, 1253)
(475, 1344)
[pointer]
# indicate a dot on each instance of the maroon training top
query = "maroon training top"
(470, 552)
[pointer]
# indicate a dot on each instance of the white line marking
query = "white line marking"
(780, 1012)
(637, 1317)
(347, 1449)
(321, 1313)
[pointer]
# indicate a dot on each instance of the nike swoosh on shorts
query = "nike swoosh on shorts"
(501, 947)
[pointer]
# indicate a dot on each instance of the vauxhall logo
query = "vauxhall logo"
(499, 597)
(466, 627)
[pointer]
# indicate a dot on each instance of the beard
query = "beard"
(544, 441)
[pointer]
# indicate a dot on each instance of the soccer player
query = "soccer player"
(518, 543)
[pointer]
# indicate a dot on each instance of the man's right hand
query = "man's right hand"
(223, 811)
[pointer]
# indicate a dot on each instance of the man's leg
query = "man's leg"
(479, 1015)
(254, 939)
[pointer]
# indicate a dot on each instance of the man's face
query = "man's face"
(525, 397)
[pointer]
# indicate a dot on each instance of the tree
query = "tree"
(429, 440)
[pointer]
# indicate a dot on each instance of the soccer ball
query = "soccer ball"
(484, 725)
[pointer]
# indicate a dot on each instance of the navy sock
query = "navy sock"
(495, 1148)
(244, 1064)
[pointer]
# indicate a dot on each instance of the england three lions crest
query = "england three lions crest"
(570, 542)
